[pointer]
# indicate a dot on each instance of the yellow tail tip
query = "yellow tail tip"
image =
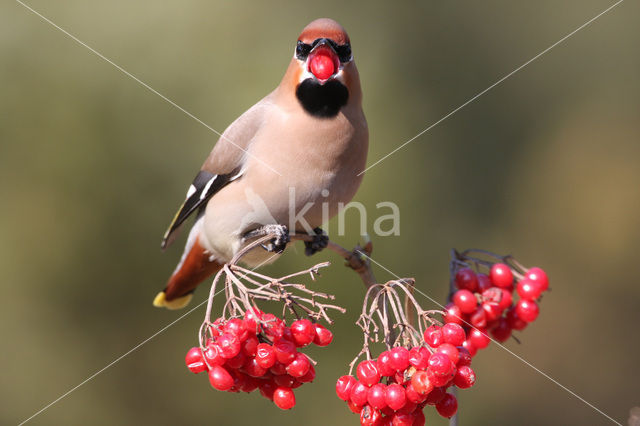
(161, 301)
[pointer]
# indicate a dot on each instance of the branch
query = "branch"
(243, 287)
(382, 303)
(357, 259)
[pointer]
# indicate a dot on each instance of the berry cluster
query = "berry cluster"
(260, 352)
(485, 303)
(394, 388)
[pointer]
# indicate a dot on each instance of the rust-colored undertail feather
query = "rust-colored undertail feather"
(194, 268)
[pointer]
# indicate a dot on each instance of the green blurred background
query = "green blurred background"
(92, 167)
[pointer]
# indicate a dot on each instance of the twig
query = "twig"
(357, 259)
(243, 287)
(383, 301)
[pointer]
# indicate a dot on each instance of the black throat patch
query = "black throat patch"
(322, 100)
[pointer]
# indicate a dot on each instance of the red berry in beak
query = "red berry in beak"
(323, 63)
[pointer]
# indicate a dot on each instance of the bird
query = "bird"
(297, 154)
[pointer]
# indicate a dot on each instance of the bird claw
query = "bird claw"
(278, 243)
(319, 242)
(275, 245)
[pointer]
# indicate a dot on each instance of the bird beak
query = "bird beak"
(323, 61)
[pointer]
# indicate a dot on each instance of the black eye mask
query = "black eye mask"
(343, 51)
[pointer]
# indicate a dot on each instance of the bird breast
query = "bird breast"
(295, 162)
(317, 160)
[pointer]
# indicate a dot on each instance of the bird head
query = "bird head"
(322, 73)
(323, 50)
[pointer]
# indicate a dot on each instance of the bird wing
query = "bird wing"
(224, 165)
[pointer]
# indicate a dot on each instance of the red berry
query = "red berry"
(409, 408)
(464, 357)
(322, 65)
(492, 294)
(285, 351)
(426, 354)
(267, 388)
(538, 275)
(195, 361)
(376, 396)
(465, 300)
(478, 318)
(400, 377)
(448, 406)
(483, 282)
(412, 394)
(386, 411)
(251, 318)
(254, 369)
(250, 345)
(479, 338)
(212, 355)
(403, 419)
(399, 358)
(239, 380)
(367, 372)
(250, 385)
(470, 348)
(395, 396)
(370, 416)
(435, 396)
(220, 378)
(286, 334)
(441, 381)
(433, 336)
(384, 364)
(353, 407)
(419, 358)
(465, 377)
(491, 311)
(299, 366)
(323, 336)
(527, 310)
(449, 350)
(505, 299)
(419, 419)
(229, 345)
(273, 326)
(359, 394)
(515, 322)
(236, 326)
(529, 289)
(284, 398)
(309, 376)
(453, 314)
(501, 275)
(344, 386)
(265, 355)
(285, 380)
(502, 331)
(303, 332)
(278, 369)
(237, 361)
(466, 279)
(440, 364)
(453, 333)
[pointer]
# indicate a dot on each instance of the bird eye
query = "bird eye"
(302, 50)
(344, 52)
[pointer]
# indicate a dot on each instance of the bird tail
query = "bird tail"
(195, 266)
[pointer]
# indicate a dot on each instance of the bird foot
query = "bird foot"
(319, 242)
(278, 243)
